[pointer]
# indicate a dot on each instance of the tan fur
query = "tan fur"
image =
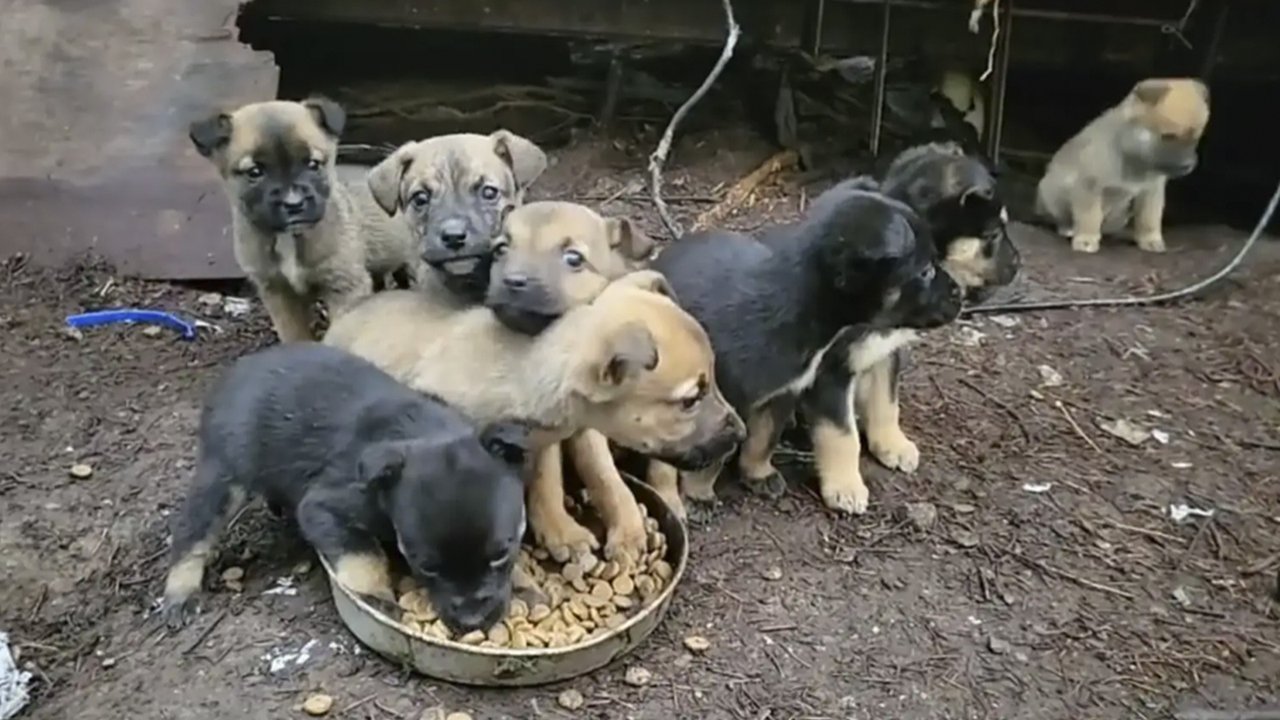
(876, 404)
(665, 480)
(331, 261)
(1089, 189)
(755, 460)
(186, 574)
(836, 453)
(366, 574)
(624, 525)
(616, 365)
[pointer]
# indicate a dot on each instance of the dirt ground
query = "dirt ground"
(1052, 581)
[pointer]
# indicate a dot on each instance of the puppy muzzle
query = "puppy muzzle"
(707, 454)
(525, 321)
(463, 615)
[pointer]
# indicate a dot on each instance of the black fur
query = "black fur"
(365, 464)
(771, 305)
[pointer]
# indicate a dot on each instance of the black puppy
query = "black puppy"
(795, 316)
(956, 195)
(364, 464)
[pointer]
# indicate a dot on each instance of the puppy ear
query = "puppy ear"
(1150, 92)
(526, 160)
(1201, 88)
(380, 464)
(385, 178)
(507, 440)
(210, 134)
(628, 352)
(978, 196)
(649, 281)
(628, 239)
(327, 114)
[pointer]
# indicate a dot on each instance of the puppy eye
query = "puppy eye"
(927, 274)
(489, 192)
(1169, 136)
(499, 248)
(254, 172)
(314, 164)
(420, 199)
(691, 402)
(574, 259)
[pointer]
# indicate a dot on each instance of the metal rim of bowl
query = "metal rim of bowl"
(660, 600)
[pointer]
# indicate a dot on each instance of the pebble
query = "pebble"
(457, 716)
(152, 330)
(233, 574)
(81, 471)
(921, 515)
(318, 704)
(210, 300)
(998, 646)
(571, 700)
(697, 643)
(72, 333)
(772, 573)
(964, 538)
(637, 676)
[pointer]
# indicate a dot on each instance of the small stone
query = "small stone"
(637, 676)
(72, 333)
(318, 704)
(964, 538)
(1182, 596)
(152, 330)
(233, 574)
(697, 644)
(80, 471)
(108, 662)
(773, 572)
(304, 568)
(998, 646)
(571, 700)
(457, 716)
(921, 515)
(1048, 376)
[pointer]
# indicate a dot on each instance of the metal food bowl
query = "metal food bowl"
(506, 667)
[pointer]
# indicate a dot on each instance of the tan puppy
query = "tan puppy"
(631, 364)
(302, 233)
(453, 192)
(550, 257)
(1116, 168)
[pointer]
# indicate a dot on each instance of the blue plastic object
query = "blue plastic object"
(129, 315)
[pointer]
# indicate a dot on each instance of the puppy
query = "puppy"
(553, 256)
(453, 192)
(631, 364)
(1115, 170)
(302, 231)
(362, 463)
(796, 318)
(956, 195)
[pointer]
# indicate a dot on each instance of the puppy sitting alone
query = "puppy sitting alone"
(631, 364)
(796, 319)
(453, 192)
(362, 463)
(1116, 168)
(301, 233)
(553, 256)
(956, 195)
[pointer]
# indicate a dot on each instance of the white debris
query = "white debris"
(1005, 321)
(1180, 465)
(1160, 436)
(1037, 487)
(280, 659)
(1183, 511)
(235, 306)
(968, 336)
(1048, 376)
(1124, 430)
(284, 586)
(13, 683)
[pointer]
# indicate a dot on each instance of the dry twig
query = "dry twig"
(659, 156)
(743, 188)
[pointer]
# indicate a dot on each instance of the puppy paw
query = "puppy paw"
(671, 496)
(771, 486)
(177, 613)
(895, 451)
(702, 513)
(626, 541)
(1089, 243)
(1150, 242)
(846, 493)
(566, 539)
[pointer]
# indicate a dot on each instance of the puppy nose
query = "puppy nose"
(453, 234)
(516, 281)
(293, 202)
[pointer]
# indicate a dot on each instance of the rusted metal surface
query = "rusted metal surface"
(93, 147)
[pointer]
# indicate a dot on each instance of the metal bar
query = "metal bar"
(1025, 13)
(995, 113)
(1215, 40)
(882, 63)
(819, 19)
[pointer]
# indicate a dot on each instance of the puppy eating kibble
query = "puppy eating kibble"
(794, 320)
(1115, 170)
(956, 195)
(302, 231)
(453, 192)
(550, 257)
(631, 364)
(363, 464)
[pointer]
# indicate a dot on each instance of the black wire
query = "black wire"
(1131, 300)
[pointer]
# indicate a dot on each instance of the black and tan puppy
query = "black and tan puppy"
(453, 192)
(364, 464)
(1115, 170)
(956, 195)
(303, 231)
(795, 320)
(553, 256)
(630, 364)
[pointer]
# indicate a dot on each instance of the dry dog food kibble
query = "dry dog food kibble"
(577, 601)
